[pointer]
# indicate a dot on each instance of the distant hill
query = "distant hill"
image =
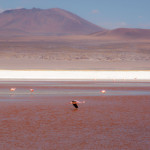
(126, 33)
(35, 21)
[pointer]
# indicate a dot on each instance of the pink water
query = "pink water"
(44, 120)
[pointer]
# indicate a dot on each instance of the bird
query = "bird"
(12, 89)
(103, 91)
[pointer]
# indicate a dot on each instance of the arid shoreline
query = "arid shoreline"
(73, 53)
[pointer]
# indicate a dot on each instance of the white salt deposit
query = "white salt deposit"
(94, 75)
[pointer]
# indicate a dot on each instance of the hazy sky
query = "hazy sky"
(105, 13)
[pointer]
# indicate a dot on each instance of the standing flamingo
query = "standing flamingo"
(12, 90)
(31, 90)
(103, 91)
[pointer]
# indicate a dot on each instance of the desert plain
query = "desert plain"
(86, 52)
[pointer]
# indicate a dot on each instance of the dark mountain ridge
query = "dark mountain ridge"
(57, 21)
(53, 21)
(126, 33)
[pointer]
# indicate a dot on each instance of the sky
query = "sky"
(109, 14)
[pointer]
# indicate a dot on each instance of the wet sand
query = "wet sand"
(44, 120)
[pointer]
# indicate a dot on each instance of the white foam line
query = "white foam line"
(11, 74)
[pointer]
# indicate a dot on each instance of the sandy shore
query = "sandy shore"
(48, 121)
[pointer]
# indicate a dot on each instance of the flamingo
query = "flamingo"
(12, 90)
(31, 90)
(103, 91)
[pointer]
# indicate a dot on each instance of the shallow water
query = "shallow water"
(44, 120)
(70, 89)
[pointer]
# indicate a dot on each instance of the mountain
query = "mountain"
(35, 21)
(126, 33)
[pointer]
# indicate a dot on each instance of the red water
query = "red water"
(48, 122)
